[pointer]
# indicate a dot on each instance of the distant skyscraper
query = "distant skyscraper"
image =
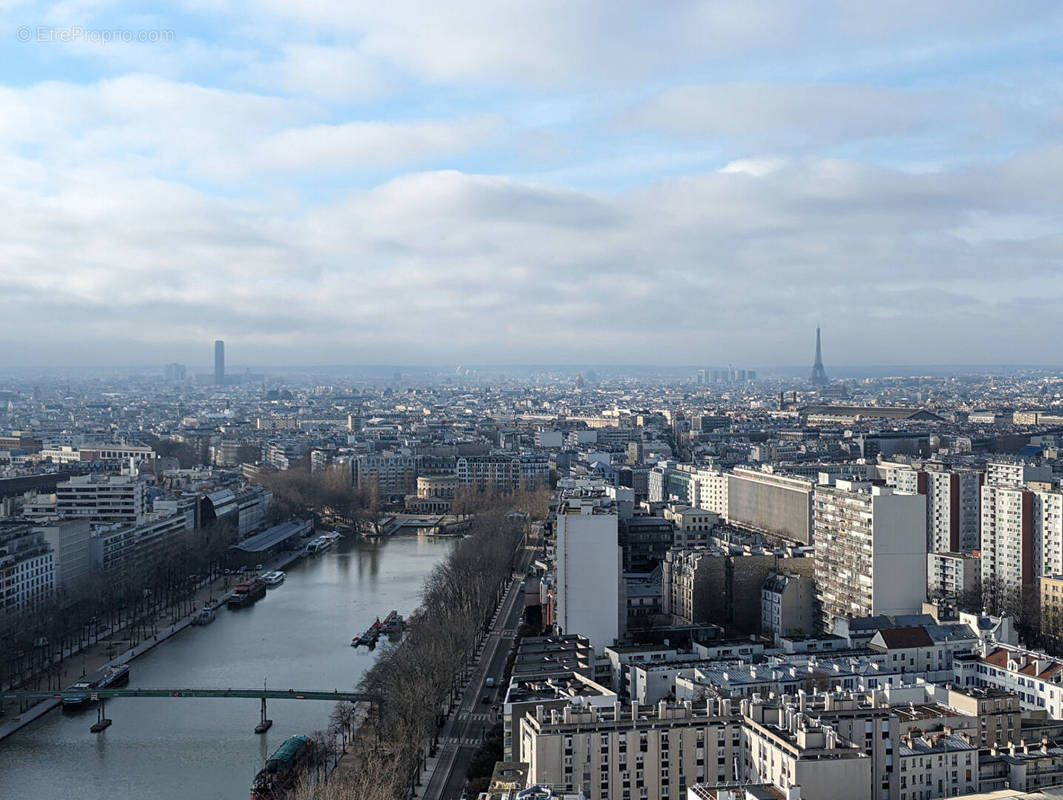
(219, 363)
(819, 375)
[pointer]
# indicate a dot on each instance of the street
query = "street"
(465, 729)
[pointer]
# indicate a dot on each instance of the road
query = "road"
(465, 729)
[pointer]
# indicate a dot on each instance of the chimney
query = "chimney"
(634, 711)
(539, 713)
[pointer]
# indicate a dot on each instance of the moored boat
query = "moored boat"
(204, 617)
(369, 638)
(118, 675)
(246, 593)
(393, 623)
(77, 696)
(282, 769)
(275, 578)
(80, 694)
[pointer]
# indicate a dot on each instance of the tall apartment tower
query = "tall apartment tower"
(590, 600)
(219, 363)
(870, 550)
(953, 503)
(1022, 533)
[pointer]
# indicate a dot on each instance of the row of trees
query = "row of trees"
(415, 682)
(299, 491)
(125, 601)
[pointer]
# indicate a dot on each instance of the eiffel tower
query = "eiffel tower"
(819, 375)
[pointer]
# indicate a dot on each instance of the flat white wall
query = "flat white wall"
(899, 566)
(589, 568)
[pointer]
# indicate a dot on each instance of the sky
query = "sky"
(505, 182)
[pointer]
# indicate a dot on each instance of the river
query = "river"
(298, 636)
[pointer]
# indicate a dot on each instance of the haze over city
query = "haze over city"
(531, 183)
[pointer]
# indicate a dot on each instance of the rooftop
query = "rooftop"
(269, 538)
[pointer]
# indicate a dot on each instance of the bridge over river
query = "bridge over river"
(102, 695)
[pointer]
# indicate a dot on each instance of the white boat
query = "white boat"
(275, 578)
(204, 617)
(322, 542)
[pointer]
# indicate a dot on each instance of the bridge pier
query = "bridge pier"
(102, 723)
(264, 723)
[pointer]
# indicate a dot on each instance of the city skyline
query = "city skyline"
(340, 186)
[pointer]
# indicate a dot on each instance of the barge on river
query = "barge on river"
(247, 593)
(282, 769)
(80, 694)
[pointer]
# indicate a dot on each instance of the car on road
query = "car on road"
(486, 699)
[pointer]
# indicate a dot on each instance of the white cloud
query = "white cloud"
(321, 71)
(757, 167)
(377, 145)
(450, 266)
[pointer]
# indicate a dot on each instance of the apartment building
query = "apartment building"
(953, 510)
(27, 566)
(870, 545)
(1008, 562)
(710, 491)
(590, 598)
(69, 540)
(694, 527)
(998, 712)
(548, 692)
(775, 505)
(102, 499)
(504, 472)
(788, 605)
(1015, 473)
(936, 765)
(953, 576)
(391, 473)
(1034, 677)
(789, 749)
(647, 752)
(953, 499)
(1023, 768)
(129, 548)
(713, 586)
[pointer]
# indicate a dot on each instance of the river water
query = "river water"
(298, 637)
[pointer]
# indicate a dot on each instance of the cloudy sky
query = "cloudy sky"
(514, 181)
